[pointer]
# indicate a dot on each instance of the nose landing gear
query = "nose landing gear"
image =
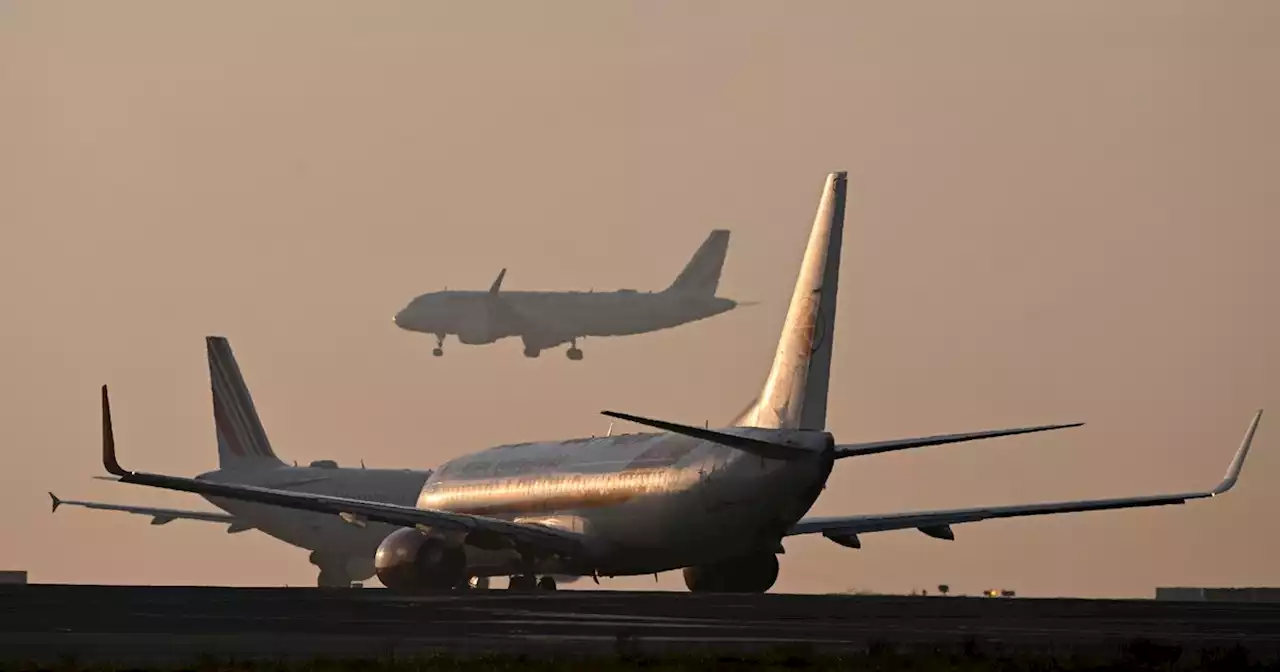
(573, 353)
(439, 349)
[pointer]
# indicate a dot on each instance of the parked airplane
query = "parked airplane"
(343, 553)
(546, 319)
(715, 503)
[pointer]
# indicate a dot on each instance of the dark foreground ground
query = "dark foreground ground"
(123, 625)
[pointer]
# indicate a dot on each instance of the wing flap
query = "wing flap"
(927, 521)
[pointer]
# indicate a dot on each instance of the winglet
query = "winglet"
(493, 289)
(1237, 463)
(109, 439)
(56, 502)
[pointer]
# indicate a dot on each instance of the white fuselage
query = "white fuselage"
(326, 535)
(555, 317)
(647, 502)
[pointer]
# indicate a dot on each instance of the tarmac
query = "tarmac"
(48, 624)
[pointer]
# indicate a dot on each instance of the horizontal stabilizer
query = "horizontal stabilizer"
(158, 516)
(842, 529)
(765, 449)
(873, 447)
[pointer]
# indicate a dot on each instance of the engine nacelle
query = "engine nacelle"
(750, 574)
(477, 329)
(411, 560)
(476, 337)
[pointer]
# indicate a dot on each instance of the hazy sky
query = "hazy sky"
(1057, 212)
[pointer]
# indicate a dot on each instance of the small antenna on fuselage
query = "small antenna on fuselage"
(610, 432)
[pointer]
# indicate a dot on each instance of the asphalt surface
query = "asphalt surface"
(126, 624)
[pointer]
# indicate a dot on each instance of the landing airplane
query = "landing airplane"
(546, 319)
(716, 504)
(343, 553)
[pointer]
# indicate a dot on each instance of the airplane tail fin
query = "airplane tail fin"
(795, 393)
(702, 274)
(242, 441)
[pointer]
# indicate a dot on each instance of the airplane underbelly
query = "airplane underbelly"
(312, 531)
(625, 324)
(727, 514)
(654, 536)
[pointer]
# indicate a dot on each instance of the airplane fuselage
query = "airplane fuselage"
(326, 535)
(550, 318)
(649, 502)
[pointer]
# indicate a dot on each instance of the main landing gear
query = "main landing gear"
(333, 578)
(439, 350)
(335, 572)
(573, 352)
(527, 583)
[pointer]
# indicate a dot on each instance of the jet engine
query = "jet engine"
(411, 560)
(478, 328)
(750, 574)
(476, 337)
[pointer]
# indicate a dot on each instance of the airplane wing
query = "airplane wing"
(158, 516)
(844, 529)
(535, 333)
(481, 530)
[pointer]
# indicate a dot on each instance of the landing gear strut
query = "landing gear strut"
(527, 583)
(573, 352)
(333, 578)
(439, 350)
(335, 571)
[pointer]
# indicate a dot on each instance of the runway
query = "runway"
(139, 625)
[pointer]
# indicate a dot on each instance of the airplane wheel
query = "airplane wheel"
(547, 583)
(574, 354)
(438, 352)
(522, 583)
(532, 352)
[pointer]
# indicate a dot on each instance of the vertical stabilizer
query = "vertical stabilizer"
(242, 442)
(702, 274)
(795, 394)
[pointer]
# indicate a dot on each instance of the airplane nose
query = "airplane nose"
(400, 319)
